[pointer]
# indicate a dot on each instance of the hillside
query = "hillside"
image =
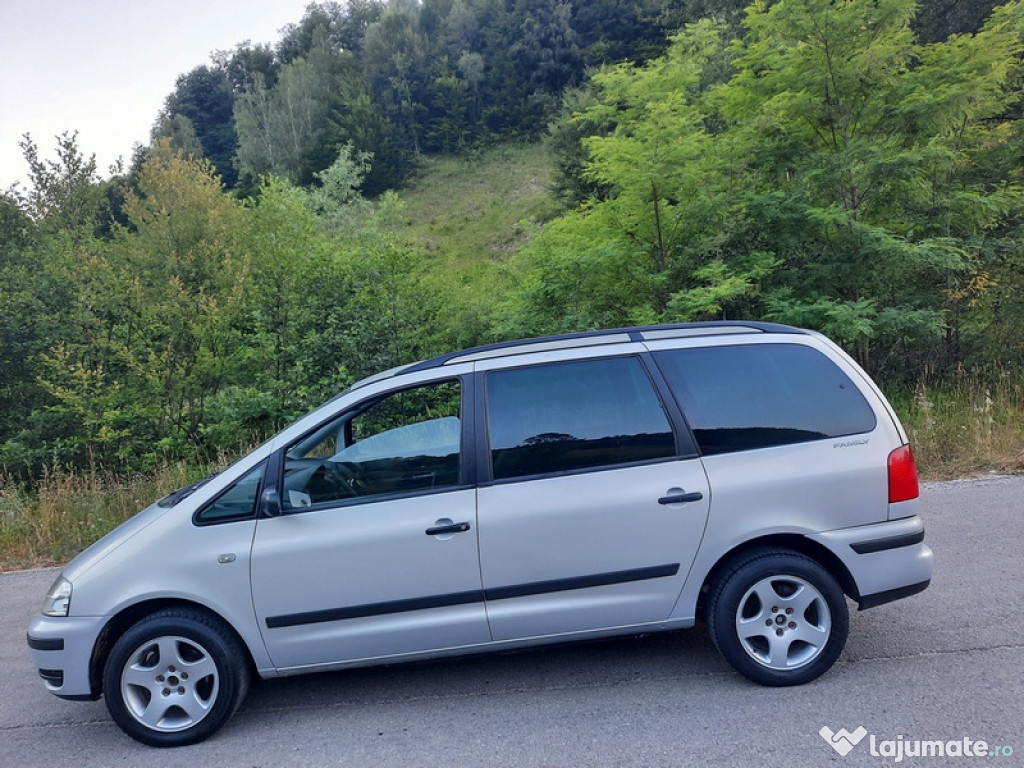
(481, 205)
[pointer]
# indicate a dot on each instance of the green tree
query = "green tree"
(388, 316)
(824, 170)
(357, 120)
(245, 62)
(613, 31)
(448, 127)
(286, 361)
(461, 29)
(855, 132)
(566, 135)
(650, 248)
(45, 232)
(22, 317)
(182, 134)
(150, 322)
(64, 195)
(532, 53)
(346, 25)
(205, 97)
(280, 128)
(337, 198)
(395, 60)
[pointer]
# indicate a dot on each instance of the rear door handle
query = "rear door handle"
(680, 497)
(440, 530)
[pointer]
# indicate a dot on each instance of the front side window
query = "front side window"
(238, 502)
(574, 416)
(762, 395)
(405, 442)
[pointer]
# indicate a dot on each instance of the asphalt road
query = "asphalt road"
(940, 666)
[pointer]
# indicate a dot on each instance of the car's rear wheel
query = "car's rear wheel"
(174, 678)
(778, 617)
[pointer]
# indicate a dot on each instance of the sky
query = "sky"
(104, 67)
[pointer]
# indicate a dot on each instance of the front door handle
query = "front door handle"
(449, 528)
(679, 496)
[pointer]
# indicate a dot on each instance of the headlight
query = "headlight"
(58, 599)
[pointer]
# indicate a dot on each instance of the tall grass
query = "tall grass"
(66, 512)
(966, 424)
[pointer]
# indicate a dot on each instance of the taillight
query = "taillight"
(902, 475)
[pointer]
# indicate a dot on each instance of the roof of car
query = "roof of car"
(584, 339)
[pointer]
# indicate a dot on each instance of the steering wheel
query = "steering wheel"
(345, 476)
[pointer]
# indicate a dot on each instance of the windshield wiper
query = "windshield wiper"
(183, 493)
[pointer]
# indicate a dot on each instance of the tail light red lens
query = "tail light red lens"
(902, 475)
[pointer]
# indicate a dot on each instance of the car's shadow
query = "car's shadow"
(687, 657)
(682, 655)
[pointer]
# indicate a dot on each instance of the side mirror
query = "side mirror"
(270, 503)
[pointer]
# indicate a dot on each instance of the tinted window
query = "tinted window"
(569, 416)
(755, 396)
(405, 442)
(236, 503)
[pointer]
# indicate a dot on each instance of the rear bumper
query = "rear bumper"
(881, 598)
(887, 561)
(62, 650)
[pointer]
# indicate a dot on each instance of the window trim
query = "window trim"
(686, 441)
(279, 458)
(684, 444)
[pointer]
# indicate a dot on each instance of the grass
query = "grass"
(481, 206)
(966, 425)
(66, 512)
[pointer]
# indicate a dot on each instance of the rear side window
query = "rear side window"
(573, 416)
(761, 395)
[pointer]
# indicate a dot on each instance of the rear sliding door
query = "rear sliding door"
(590, 518)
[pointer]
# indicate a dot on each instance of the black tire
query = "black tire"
(778, 617)
(175, 677)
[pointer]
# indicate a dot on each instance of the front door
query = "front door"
(376, 554)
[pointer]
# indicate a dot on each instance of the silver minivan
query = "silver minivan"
(749, 475)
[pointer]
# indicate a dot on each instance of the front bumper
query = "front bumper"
(888, 561)
(62, 649)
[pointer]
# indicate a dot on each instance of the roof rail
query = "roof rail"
(594, 338)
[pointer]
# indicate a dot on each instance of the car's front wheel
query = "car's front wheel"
(778, 617)
(174, 678)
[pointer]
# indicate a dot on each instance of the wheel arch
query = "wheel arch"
(795, 542)
(127, 617)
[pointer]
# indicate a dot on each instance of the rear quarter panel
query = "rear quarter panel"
(803, 488)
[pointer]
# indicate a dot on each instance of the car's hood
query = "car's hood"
(100, 549)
